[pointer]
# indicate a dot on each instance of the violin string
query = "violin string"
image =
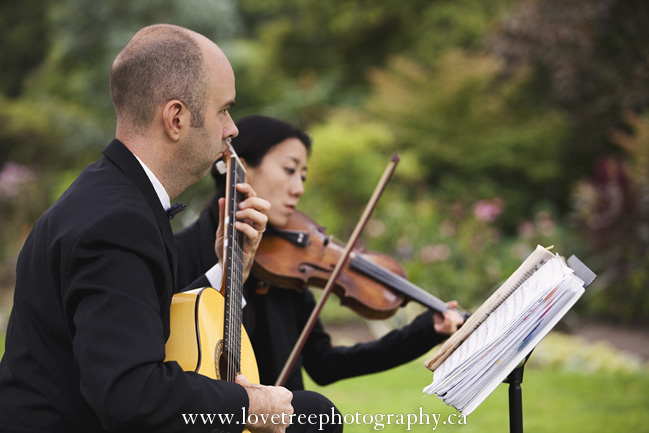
(390, 278)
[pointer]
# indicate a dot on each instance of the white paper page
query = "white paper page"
(550, 273)
(534, 340)
(532, 263)
(509, 334)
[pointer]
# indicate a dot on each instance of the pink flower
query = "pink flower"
(13, 177)
(447, 229)
(526, 229)
(434, 253)
(375, 228)
(488, 210)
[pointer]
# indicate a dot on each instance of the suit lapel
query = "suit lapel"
(129, 165)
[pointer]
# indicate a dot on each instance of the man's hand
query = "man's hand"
(448, 322)
(251, 221)
(270, 404)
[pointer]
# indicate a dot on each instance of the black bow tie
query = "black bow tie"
(175, 210)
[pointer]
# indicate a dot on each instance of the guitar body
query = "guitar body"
(197, 333)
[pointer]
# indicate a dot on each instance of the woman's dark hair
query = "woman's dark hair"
(257, 135)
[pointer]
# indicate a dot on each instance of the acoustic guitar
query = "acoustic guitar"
(207, 335)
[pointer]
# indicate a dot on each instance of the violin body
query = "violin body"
(196, 338)
(301, 255)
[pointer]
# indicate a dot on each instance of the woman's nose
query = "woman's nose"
(297, 187)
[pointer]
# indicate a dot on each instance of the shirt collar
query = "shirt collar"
(159, 189)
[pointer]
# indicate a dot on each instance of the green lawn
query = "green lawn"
(553, 401)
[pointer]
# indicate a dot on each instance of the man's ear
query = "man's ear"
(175, 118)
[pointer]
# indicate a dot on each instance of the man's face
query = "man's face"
(206, 143)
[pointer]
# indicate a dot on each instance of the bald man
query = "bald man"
(85, 344)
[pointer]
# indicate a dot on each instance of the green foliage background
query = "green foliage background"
(517, 123)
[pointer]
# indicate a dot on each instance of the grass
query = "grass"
(553, 401)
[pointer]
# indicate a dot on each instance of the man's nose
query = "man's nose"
(230, 129)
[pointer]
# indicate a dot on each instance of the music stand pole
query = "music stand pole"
(514, 380)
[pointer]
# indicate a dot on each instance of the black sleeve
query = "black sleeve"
(113, 305)
(327, 364)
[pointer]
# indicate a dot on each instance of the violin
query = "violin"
(300, 255)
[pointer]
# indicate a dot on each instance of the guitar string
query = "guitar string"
(240, 241)
(231, 229)
(237, 292)
(228, 287)
(235, 285)
(237, 281)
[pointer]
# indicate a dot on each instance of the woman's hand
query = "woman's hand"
(448, 322)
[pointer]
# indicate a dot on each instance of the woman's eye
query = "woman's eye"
(289, 170)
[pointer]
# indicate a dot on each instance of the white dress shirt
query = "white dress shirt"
(215, 273)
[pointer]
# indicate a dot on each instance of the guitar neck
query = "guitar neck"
(233, 267)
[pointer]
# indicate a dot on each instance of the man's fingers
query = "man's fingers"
(246, 189)
(242, 380)
(256, 203)
(254, 218)
(252, 213)
(251, 235)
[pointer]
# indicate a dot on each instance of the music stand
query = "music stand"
(515, 378)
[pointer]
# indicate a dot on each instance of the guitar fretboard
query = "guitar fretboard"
(233, 270)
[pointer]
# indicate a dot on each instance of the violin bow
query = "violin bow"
(369, 208)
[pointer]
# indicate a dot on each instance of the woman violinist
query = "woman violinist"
(275, 155)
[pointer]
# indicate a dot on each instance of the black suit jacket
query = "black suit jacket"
(86, 337)
(275, 320)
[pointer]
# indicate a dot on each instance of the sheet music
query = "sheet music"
(493, 324)
(533, 262)
(508, 334)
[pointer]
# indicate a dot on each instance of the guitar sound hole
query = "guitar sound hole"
(218, 354)
(227, 368)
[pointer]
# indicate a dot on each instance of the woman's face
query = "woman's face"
(280, 179)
